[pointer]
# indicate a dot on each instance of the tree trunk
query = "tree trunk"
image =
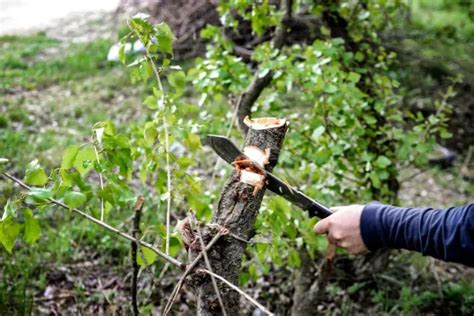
(310, 284)
(237, 210)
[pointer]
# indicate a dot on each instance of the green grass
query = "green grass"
(38, 61)
(441, 14)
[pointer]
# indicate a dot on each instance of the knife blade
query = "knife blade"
(228, 151)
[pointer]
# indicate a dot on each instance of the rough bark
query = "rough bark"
(237, 210)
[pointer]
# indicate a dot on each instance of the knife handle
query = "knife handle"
(316, 209)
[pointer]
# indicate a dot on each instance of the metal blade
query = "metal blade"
(296, 197)
(224, 147)
(228, 151)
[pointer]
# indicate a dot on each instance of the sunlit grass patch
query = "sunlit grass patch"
(32, 62)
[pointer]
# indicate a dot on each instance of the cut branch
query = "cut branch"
(237, 210)
(259, 82)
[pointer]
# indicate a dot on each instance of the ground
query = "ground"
(54, 87)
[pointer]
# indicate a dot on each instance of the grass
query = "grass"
(37, 61)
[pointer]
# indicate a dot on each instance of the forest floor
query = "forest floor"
(54, 86)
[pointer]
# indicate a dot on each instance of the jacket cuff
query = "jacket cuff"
(370, 226)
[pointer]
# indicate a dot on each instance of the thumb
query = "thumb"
(321, 227)
(337, 208)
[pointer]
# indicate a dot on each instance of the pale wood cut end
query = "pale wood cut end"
(264, 122)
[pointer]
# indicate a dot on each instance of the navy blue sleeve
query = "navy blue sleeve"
(446, 234)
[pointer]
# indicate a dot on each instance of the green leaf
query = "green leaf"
(32, 227)
(35, 175)
(177, 80)
(322, 156)
(38, 195)
(164, 38)
(121, 52)
(175, 245)
(69, 156)
(193, 142)
(74, 199)
(294, 259)
(9, 209)
(150, 133)
(9, 230)
(145, 256)
(84, 160)
(383, 162)
(317, 132)
(151, 102)
(3, 160)
(353, 77)
(370, 119)
(375, 180)
(330, 88)
(445, 134)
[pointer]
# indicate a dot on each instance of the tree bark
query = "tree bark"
(237, 210)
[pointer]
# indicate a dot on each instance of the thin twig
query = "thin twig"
(103, 224)
(208, 263)
(136, 232)
(188, 270)
(167, 147)
(167, 153)
(229, 130)
(101, 180)
(237, 289)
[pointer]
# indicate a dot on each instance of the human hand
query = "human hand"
(343, 228)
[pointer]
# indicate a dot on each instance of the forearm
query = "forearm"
(446, 234)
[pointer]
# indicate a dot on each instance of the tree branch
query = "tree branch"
(102, 224)
(248, 297)
(248, 98)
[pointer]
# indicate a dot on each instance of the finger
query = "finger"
(331, 251)
(321, 227)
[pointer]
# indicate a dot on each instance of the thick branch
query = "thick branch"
(248, 98)
(237, 210)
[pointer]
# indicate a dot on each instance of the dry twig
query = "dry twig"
(208, 264)
(190, 267)
(102, 224)
(248, 297)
